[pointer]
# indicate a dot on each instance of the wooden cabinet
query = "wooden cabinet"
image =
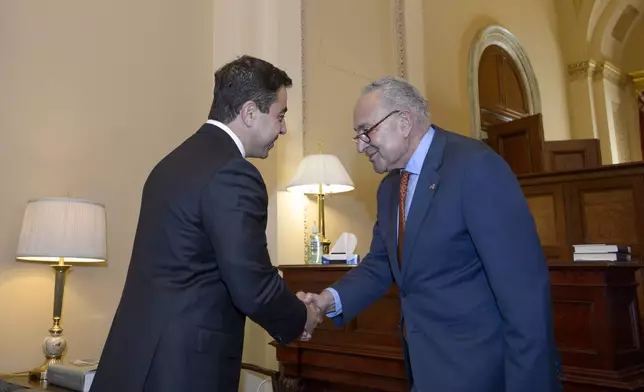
(597, 326)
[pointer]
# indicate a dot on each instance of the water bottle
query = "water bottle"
(315, 247)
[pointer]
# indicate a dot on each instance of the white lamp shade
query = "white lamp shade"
(73, 229)
(320, 169)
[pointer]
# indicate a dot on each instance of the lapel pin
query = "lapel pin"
(432, 187)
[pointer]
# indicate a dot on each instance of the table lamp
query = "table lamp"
(60, 230)
(321, 174)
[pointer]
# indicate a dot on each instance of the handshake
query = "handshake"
(317, 305)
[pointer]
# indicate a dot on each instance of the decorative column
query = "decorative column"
(615, 114)
(582, 100)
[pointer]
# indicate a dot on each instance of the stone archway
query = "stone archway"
(501, 37)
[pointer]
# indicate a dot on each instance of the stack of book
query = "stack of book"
(602, 252)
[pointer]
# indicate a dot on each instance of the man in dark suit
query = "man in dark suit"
(200, 264)
(454, 232)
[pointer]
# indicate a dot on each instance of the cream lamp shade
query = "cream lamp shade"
(323, 170)
(55, 228)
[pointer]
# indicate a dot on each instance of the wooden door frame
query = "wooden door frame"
(501, 37)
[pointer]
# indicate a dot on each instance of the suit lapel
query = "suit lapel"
(426, 187)
(392, 225)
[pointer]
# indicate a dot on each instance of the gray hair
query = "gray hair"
(399, 94)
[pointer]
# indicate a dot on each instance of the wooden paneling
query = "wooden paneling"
(576, 154)
(520, 143)
(547, 205)
(607, 210)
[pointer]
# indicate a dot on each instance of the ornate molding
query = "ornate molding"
(583, 69)
(597, 71)
(501, 37)
(399, 33)
(610, 72)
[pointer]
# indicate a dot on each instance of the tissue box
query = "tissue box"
(342, 251)
(340, 258)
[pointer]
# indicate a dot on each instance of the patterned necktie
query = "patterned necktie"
(402, 197)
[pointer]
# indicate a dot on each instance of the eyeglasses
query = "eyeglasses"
(364, 136)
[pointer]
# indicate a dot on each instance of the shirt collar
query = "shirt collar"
(417, 159)
(231, 134)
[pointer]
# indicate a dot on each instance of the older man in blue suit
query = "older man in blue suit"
(454, 232)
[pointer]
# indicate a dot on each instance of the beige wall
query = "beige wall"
(451, 27)
(338, 64)
(633, 57)
(93, 95)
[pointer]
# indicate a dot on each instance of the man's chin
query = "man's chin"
(378, 168)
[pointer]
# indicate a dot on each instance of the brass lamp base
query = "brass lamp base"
(55, 344)
(40, 373)
(326, 243)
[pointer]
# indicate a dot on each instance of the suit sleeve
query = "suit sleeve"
(504, 234)
(234, 209)
(366, 282)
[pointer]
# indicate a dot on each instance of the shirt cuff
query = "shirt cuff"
(338, 303)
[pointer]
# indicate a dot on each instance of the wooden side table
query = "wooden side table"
(32, 384)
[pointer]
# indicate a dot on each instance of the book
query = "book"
(602, 248)
(75, 376)
(601, 257)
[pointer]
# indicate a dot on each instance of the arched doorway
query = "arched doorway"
(502, 95)
(502, 84)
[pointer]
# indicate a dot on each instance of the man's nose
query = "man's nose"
(283, 129)
(362, 146)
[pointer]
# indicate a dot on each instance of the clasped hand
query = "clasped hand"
(316, 306)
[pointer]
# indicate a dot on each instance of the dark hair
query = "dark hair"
(245, 79)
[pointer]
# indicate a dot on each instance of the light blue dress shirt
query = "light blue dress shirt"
(414, 166)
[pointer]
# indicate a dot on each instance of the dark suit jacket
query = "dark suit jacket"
(474, 285)
(199, 266)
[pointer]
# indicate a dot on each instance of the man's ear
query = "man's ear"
(406, 123)
(248, 113)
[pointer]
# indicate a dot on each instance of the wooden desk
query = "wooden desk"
(32, 385)
(596, 321)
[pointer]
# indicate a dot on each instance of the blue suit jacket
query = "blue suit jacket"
(474, 285)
